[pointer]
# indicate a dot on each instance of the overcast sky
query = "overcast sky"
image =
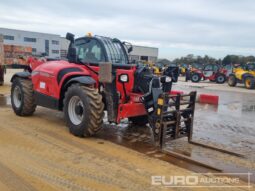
(176, 27)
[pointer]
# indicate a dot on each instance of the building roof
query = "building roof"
(18, 30)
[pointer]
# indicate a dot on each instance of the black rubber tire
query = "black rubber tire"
(28, 105)
(251, 84)
(139, 120)
(195, 77)
(220, 79)
(93, 113)
(232, 81)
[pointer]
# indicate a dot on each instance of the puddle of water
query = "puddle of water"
(138, 138)
(233, 109)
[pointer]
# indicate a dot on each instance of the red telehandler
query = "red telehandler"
(212, 72)
(96, 77)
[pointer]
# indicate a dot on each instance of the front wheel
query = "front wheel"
(249, 83)
(195, 77)
(220, 79)
(22, 97)
(83, 110)
(232, 81)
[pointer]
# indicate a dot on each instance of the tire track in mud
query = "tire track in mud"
(28, 136)
(13, 181)
(57, 158)
(88, 173)
(97, 164)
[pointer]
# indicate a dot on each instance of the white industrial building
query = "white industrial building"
(55, 46)
(40, 42)
(143, 53)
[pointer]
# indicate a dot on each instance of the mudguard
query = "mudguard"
(24, 75)
(84, 80)
(247, 75)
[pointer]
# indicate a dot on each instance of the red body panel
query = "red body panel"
(44, 77)
(130, 110)
(45, 81)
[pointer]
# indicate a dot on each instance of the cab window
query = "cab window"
(251, 66)
(208, 68)
(90, 52)
(215, 68)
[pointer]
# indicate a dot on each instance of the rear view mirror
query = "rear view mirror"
(130, 49)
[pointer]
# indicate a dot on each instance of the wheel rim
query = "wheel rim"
(75, 110)
(17, 97)
(195, 78)
(220, 78)
(248, 83)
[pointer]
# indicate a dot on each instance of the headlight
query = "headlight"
(123, 78)
(166, 79)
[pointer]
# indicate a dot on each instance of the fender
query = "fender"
(246, 75)
(84, 80)
(24, 75)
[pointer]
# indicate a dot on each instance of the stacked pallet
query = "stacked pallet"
(16, 54)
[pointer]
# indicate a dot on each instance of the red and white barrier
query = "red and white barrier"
(202, 98)
(209, 99)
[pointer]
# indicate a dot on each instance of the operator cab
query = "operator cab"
(93, 50)
(250, 66)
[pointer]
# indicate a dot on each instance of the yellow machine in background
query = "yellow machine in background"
(244, 75)
(156, 70)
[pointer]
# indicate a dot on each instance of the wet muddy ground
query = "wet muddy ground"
(39, 153)
(230, 126)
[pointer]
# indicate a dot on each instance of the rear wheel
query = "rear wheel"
(232, 81)
(139, 120)
(83, 110)
(195, 77)
(249, 83)
(22, 97)
(220, 79)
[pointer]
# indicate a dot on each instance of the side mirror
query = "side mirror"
(130, 49)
